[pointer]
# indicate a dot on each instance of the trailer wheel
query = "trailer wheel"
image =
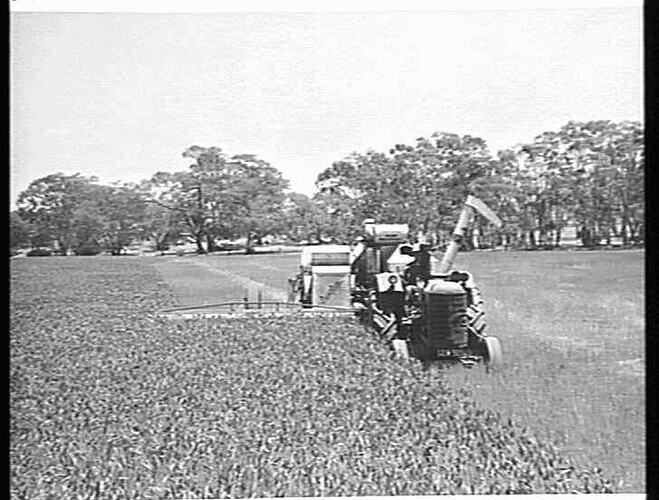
(493, 355)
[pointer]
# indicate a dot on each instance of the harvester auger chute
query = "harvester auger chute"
(417, 303)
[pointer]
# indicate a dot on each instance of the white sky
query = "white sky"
(122, 95)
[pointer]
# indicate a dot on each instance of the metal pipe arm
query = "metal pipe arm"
(456, 242)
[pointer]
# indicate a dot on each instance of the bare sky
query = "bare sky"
(121, 96)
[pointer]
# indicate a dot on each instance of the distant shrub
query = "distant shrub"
(39, 252)
(86, 250)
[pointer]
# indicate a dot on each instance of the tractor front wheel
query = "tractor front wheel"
(401, 348)
(493, 355)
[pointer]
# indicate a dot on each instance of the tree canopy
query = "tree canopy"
(587, 174)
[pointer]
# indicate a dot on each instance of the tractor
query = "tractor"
(415, 301)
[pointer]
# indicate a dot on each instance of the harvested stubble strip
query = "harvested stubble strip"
(139, 407)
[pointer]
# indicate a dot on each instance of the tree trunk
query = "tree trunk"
(468, 240)
(532, 242)
(63, 246)
(199, 241)
(476, 239)
(541, 237)
(557, 241)
(613, 226)
(249, 244)
(589, 236)
(161, 242)
(625, 225)
(424, 226)
(210, 244)
(585, 236)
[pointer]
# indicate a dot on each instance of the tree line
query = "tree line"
(588, 175)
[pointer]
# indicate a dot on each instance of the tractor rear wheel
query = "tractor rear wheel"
(493, 355)
(476, 325)
(476, 313)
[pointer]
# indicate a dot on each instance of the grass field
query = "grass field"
(110, 400)
(572, 329)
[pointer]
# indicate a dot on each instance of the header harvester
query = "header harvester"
(417, 303)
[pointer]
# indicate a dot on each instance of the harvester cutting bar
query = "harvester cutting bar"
(237, 304)
(242, 309)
